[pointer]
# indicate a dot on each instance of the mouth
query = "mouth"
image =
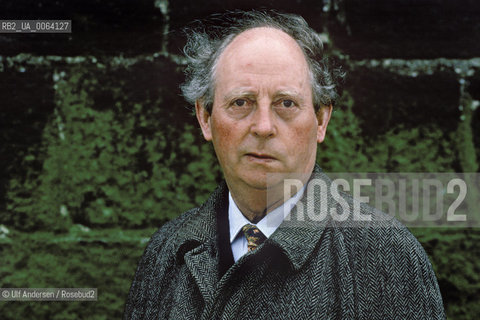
(260, 156)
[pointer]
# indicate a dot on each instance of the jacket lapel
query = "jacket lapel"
(198, 246)
(202, 265)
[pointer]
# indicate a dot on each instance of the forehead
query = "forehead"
(262, 51)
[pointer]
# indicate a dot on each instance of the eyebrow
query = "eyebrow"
(247, 92)
(239, 92)
(291, 93)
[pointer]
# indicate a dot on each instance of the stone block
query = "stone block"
(384, 100)
(421, 29)
(184, 12)
(98, 27)
(26, 104)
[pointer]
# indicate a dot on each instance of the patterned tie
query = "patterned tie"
(254, 236)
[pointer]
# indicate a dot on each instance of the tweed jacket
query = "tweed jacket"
(305, 270)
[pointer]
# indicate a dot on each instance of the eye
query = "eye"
(288, 103)
(240, 102)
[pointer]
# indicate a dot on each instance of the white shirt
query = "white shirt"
(267, 225)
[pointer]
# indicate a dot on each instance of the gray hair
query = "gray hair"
(206, 44)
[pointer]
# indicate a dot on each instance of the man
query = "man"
(264, 97)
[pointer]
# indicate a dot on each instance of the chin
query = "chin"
(264, 180)
(256, 182)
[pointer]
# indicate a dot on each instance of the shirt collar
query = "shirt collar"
(268, 224)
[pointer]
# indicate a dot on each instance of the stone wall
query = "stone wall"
(408, 61)
(413, 72)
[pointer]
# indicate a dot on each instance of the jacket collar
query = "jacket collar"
(201, 226)
(296, 237)
(303, 228)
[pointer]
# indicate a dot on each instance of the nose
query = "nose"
(263, 121)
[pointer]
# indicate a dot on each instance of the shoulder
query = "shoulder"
(373, 229)
(382, 239)
(388, 258)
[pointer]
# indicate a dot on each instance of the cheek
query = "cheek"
(223, 136)
(305, 134)
(305, 140)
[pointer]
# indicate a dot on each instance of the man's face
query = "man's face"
(263, 120)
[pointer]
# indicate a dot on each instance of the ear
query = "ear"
(203, 117)
(323, 117)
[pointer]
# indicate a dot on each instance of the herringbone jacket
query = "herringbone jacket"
(305, 270)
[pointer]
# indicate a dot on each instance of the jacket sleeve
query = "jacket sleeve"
(423, 292)
(412, 290)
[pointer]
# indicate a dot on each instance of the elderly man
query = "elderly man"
(263, 96)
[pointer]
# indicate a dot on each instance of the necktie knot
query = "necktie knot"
(254, 236)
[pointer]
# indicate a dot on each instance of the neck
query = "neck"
(255, 204)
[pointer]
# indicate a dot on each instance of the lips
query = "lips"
(260, 156)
